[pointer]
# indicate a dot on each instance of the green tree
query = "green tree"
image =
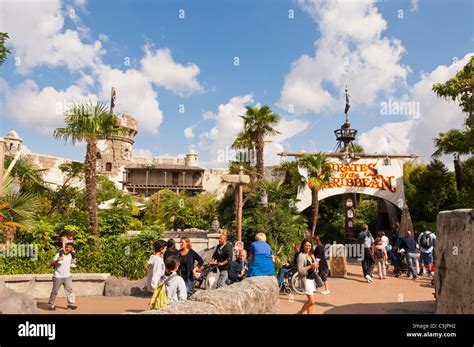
(258, 124)
(17, 209)
(89, 123)
(455, 141)
(319, 176)
(31, 178)
(4, 51)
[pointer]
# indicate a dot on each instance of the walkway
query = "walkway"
(350, 295)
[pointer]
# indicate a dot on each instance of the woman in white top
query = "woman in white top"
(156, 266)
(307, 267)
(175, 286)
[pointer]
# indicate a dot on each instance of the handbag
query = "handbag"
(311, 273)
(318, 281)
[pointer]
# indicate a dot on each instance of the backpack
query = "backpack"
(361, 238)
(160, 295)
(426, 241)
(379, 253)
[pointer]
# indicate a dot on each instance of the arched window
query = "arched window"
(99, 156)
(108, 167)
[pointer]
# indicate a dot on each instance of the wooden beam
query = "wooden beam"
(356, 155)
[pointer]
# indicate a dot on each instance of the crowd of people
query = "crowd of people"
(410, 253)
(176, 270)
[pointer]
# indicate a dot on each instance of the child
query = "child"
(381, 257)
(175, 286)
(69, 238)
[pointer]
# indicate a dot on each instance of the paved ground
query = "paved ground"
(349, 295)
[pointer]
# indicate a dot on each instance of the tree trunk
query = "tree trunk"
(315, 209)
(457, 171)
(90, 177)
(259, 147)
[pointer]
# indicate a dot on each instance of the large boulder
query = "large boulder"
(120, 286)
(186, 307)
(12, 302)
(255, 295)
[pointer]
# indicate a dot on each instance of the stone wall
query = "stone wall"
(454, 262)
(38, 286)
(254, 295)
(202, 241)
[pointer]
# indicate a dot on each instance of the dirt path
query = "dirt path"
(350, 295)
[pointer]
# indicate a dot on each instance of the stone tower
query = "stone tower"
(191, 158)
(115, 154)
(13, 143)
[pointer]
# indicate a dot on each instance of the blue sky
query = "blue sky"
(282, 61)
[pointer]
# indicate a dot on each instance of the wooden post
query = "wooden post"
(146, 182)
(239, 207)
(2, 157)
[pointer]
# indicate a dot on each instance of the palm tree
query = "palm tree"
(319, 176)
(293, 179)
(258, 123)
(17, 209)
(453, 142)
(89, 123)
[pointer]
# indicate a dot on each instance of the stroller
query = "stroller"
(207, 279)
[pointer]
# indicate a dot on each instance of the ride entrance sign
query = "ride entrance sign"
(378, 177)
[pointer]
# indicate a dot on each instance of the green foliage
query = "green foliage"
(179, 211)
(366, 213)
(4, 51)
(121, 256)
(115, 220)
(429, 190)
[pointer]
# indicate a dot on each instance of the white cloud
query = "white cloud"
(387, 138)
(188, 133)
(41, 108)
(38, 37)
(163, 71)
(227, 125)
(414, 6)
(141, 152)
(215, 144)
(135, 95)
(287, 129)
(436, 115)
(352, 51)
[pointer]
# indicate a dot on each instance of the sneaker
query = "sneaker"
(430, 274)
(325, 292)
(410, 277)
(51, 308)
(73, 265)
(369, 279)
(414, 278)
(420, 274)
(397, 275)
(72, 307)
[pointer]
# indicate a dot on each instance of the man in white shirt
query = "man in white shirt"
(156, 266)
(62, 277)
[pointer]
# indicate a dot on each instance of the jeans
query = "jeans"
(57, 283)
(411, 262)
(368, 262)
(223, 277)
(281, 275)
(189, 285)
(382, 268)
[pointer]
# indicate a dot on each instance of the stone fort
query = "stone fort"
(140, 175)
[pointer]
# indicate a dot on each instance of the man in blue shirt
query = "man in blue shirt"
(408, 245)
(366, 239)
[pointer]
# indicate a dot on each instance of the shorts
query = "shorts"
(323, 274)
(309, 287)
(426, 258)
